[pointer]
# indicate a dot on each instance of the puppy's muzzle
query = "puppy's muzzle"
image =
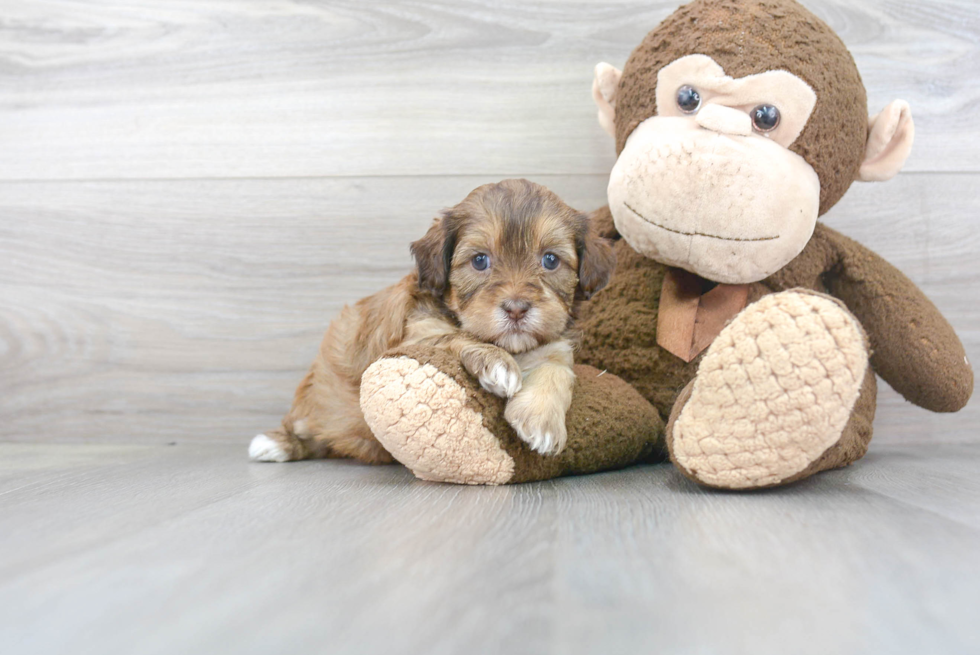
(516, 308)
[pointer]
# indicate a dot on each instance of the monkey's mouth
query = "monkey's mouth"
(696, 234)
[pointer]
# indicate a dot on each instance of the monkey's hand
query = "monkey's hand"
(915, 349)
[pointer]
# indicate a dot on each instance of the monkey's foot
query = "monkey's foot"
(434, 418)
(774, 395)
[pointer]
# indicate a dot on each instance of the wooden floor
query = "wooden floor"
(190, 191)
(190, 549)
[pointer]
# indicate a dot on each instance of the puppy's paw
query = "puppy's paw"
(495, 368)
(539, 421)
(264, 449)
(502, 380)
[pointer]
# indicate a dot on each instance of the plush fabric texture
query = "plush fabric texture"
(720, 91)
(889, 142)
(913, 347)
(710, 203)
(849, 448)
(603, 89)
(435, 419)
(788, 387)
(773, 392)
(413, 409)
(688, 318)
(748, 37)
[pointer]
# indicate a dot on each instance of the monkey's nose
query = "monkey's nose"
(516, 309)
(724, 120)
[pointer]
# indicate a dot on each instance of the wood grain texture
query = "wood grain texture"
(154, 311)
(191, 549)
(189, 191)
(207, 88)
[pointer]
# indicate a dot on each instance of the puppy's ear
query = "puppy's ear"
(596, 260)
(433, 254)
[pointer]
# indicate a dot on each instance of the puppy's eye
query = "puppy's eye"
(550, 261)
(480, 262)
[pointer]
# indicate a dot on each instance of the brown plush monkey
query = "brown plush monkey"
(753, 331)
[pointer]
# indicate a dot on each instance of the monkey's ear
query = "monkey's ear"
(433, 255)
(890, 136)
(596, 262)
(604, 93)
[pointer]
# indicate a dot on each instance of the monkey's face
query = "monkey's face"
(709, 184)
(727, 160)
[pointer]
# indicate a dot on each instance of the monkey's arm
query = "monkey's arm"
(914, 349)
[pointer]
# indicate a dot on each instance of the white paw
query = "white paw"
(264, 449)
(543, 435)
(542, 442)
(501, 381)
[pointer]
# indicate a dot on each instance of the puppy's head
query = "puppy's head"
(511, 261)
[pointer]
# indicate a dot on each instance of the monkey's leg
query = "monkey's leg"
(785, 391)
(435, 419)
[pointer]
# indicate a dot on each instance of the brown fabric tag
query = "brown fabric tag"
(687, 320)
(677, 315)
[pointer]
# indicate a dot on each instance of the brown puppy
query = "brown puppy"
(497, 281)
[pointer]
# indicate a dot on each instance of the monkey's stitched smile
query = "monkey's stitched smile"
(694, 234)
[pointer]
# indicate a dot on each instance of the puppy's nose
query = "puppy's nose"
(516, 309)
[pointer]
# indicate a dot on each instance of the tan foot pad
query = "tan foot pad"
(420, 415)
(772, 394)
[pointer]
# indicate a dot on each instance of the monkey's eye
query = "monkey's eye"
(765, 118)
(688, 99)
(550, 261)
(480, 262)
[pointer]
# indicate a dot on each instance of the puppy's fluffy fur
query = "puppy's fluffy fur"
(497, 281)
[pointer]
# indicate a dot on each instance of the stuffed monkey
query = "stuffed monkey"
(739, 336)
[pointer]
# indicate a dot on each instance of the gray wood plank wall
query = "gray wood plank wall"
(190, 190)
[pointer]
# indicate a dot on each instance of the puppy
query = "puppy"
(497, 282)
